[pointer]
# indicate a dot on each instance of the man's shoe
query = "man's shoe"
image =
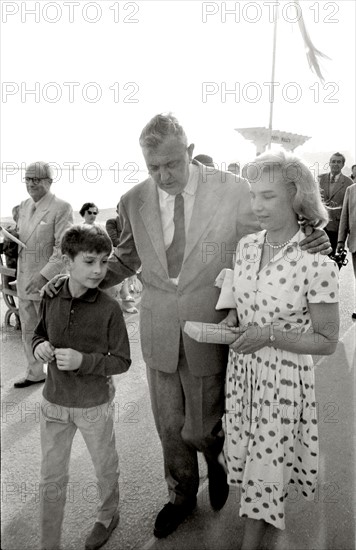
(218, 485)
(100, 534)
(171, 516)
(25, 383)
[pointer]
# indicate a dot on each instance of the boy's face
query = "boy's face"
(87, 270)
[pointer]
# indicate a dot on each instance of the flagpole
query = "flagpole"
(272, 79)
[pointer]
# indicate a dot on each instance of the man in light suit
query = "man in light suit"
(347, 227)
(333, 186)
(43, 218)
(183, 224)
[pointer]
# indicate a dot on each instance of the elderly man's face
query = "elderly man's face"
(37, 182)
(336, 164)
(168, 164)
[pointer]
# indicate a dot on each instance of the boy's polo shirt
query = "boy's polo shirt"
(92, 324)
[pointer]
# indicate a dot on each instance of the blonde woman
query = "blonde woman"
(286, 308)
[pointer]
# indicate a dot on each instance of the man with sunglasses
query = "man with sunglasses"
(43, 218)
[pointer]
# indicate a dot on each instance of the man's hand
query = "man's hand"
(44, 352)
(36, 283)
(68, 359)
(340, 247)
(231, 319)
(317, 241)
(252, 339)
(52, 287)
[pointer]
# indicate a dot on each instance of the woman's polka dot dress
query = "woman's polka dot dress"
(271, 423)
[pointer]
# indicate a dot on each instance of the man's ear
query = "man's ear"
(190, 150)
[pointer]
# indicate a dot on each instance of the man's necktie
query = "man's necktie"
(175, 252)
(332, 179)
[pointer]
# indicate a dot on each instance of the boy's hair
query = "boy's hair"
(85, 238)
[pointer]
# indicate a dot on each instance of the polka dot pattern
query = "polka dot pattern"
(271, 425)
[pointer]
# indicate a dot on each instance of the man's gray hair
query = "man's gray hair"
(41, 169)
(159, 128)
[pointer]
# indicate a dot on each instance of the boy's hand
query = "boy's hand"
(68, 359)
(317, 241)
(44, 352)
(51, 288)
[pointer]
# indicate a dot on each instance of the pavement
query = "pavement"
(325, 523)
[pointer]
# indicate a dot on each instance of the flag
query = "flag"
(312, 52)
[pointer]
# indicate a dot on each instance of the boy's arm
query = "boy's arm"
(117, 360)
(40, 333)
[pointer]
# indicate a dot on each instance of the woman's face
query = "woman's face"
(90, 215)
(271, 200)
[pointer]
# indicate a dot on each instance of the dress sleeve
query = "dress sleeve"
(225, 282)
(324, 282)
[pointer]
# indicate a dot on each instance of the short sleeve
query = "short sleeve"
(324, 282)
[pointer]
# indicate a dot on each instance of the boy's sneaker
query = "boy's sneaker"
(100, 534)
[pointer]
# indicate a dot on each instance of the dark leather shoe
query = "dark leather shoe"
(171, 516)
(100, 534)
(25, 383)
(218, 486)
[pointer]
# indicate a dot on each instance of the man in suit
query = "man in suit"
(347, 227)
(183, 224)
(43, 218)
(333, 186)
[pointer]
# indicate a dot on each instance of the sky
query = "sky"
(80, 80)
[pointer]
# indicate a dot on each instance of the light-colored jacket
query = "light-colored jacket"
(221, 216)
(347, 226)
(41, 231)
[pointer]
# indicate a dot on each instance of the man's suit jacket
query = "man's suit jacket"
(221, 216)
(41, 230)
(333, 196)
(348, 218)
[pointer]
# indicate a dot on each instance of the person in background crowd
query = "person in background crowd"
(284, 302)
(206, 160)
(353, 172)
(347, 227)
(43, 218)
(113, 228)
(10, 248)
(333, 186)
(234, 168)
(89, 212)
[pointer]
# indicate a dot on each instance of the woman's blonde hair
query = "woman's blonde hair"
(307, 202)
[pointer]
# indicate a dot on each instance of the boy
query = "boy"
(82, 336)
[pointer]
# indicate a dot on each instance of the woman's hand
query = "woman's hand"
(44, 352)
(52, 287)
(251, 339)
